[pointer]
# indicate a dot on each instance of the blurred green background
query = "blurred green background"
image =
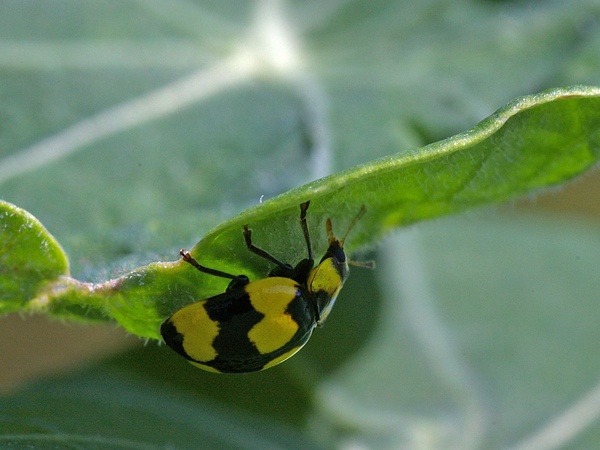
(130, 128)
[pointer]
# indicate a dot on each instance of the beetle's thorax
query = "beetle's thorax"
(326, 280)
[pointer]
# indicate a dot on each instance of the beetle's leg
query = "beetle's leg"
(303, 207)
(260, 252)
(239, 279)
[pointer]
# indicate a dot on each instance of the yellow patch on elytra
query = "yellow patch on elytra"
(198, 331)
(271, 297)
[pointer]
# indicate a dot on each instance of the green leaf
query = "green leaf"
(30, 258)
(108, 409)
(133, 134)
(484, 337)
(131, 128)
(534, 142)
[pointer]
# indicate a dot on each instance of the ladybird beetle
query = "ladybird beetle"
(255, 325)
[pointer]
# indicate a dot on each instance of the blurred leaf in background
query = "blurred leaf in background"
(129, 129)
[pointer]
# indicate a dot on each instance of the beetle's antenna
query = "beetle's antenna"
(329, 229)
(363, 264)
(361, 212)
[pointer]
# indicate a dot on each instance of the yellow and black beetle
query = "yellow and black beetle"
(256, 325)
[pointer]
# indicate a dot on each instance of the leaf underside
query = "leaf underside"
(534, 142)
